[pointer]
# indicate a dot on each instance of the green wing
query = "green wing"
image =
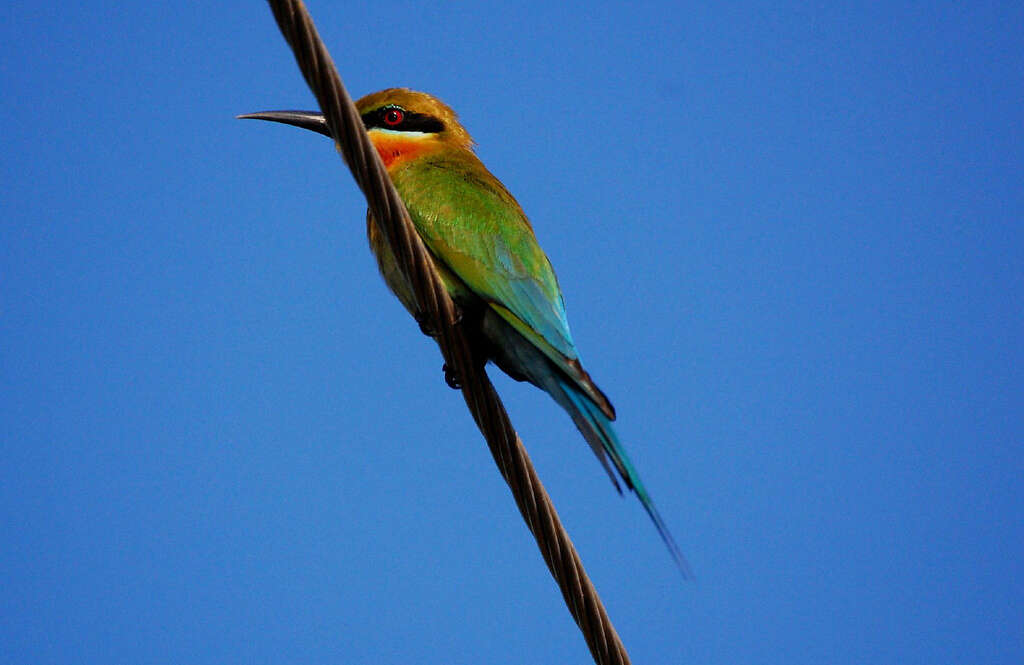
(472, 224)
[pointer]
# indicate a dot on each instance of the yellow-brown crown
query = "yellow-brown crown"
(421, 113)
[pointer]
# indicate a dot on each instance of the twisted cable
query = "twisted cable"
(440, 312)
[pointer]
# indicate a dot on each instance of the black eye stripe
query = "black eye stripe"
(412, 122)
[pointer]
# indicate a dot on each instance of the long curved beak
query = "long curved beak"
(310, 120)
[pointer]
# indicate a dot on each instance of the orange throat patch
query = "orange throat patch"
(394, 148)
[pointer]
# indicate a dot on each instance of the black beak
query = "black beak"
(306, 119)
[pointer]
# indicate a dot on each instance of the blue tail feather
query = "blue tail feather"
(597, 429)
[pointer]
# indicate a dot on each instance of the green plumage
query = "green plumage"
(485, 251)
(470, 221)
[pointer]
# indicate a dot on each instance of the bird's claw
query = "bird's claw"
(426, 325)
(451, 378)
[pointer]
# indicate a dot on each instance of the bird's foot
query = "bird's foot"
(426, 325)
(451, 378)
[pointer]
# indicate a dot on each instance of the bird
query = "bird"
(488, 257)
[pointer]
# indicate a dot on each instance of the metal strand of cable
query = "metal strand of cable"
(489, 413)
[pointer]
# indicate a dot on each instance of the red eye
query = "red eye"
(393, 116)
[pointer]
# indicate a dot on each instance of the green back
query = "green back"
(470, 222)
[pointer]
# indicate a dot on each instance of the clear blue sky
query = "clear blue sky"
(790, 241)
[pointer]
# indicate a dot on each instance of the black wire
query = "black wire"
(433, 302)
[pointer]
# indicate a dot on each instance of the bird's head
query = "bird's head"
(402, 124)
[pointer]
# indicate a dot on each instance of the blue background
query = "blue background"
(790, 240)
